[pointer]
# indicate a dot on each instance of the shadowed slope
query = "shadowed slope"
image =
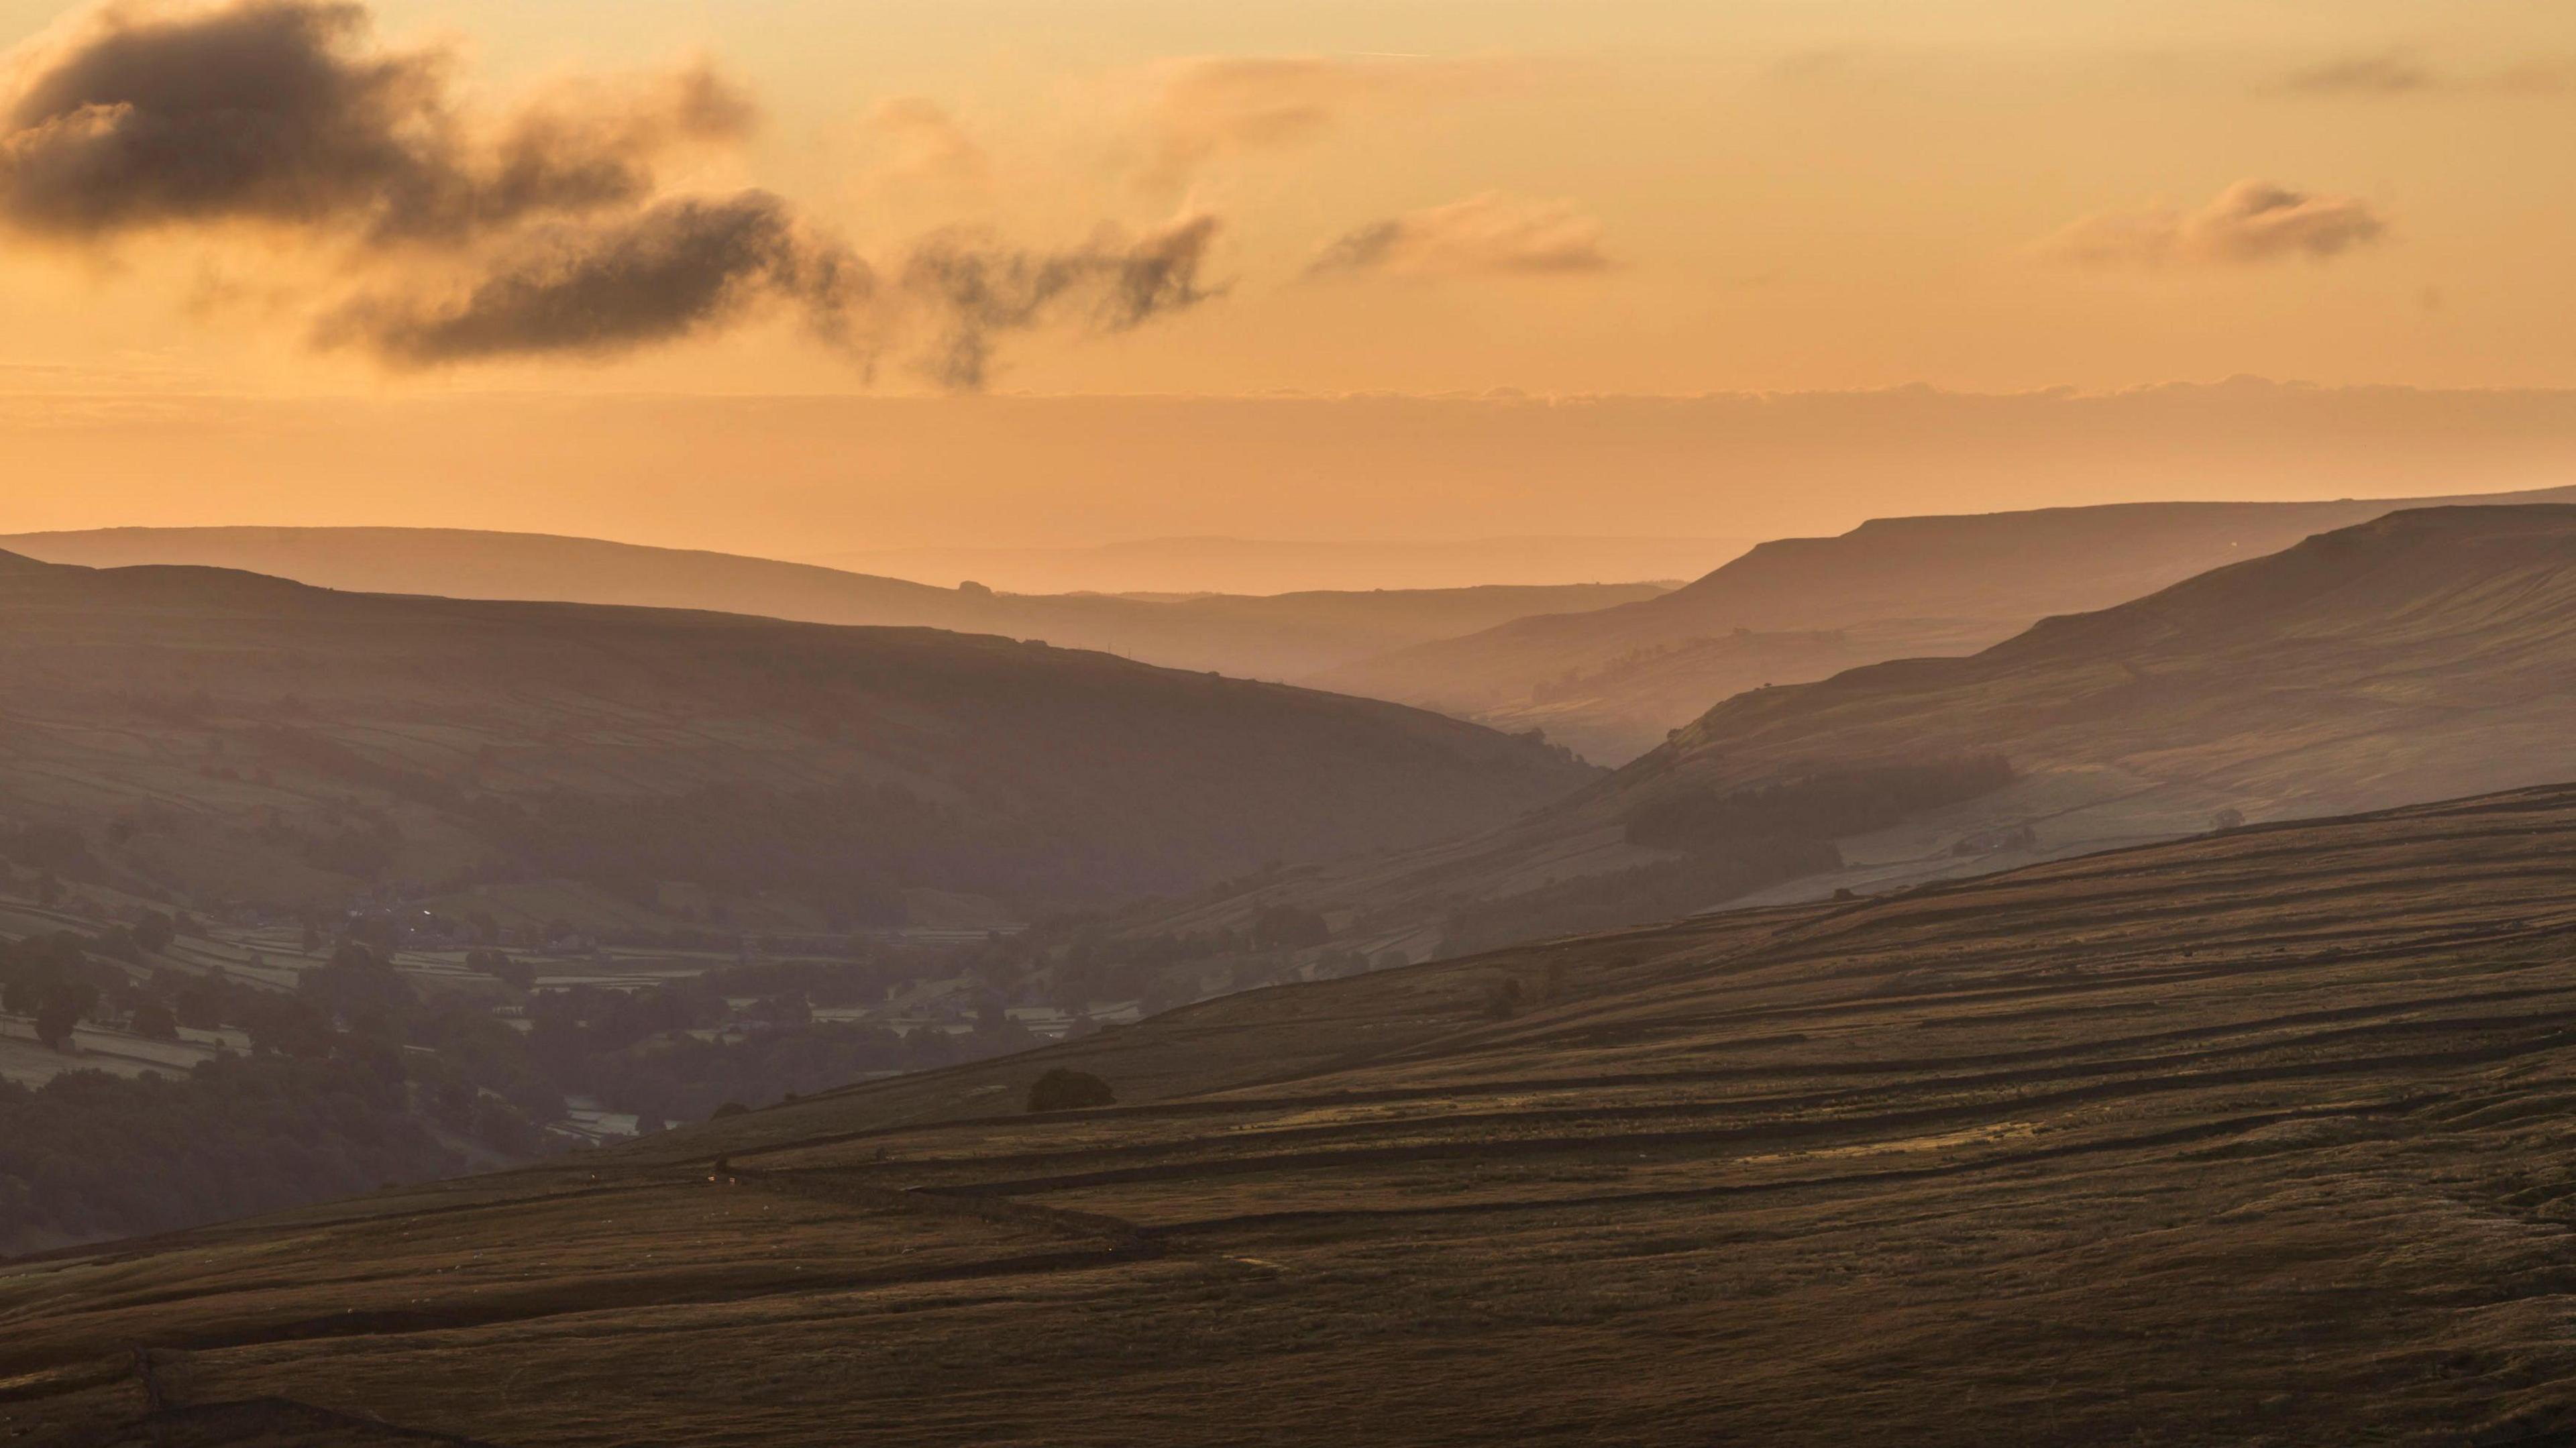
(2260, 1136)
(230, 737)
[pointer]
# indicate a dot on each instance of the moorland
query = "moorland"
(2253, 1137)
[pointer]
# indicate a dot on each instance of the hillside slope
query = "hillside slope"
(1613, 681)
(230, 737)
(1283, 636)
(2259, 1137)
(2426, 654)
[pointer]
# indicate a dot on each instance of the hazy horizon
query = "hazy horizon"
(808, 478)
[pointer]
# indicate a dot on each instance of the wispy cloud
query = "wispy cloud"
(926, 145)
(1211, 106)
(2402, 72)
(2249, 223)
(1489, 233)
(979, 291)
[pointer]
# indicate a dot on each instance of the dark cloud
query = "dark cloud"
(1489, 233)
(468, 235)
(976, 292)
(280, 112)
(676, 268)
(688, 266)
(2249, 222)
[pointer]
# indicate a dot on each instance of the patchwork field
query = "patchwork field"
(2259, 1137)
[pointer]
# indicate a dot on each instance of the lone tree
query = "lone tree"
(1065, 1089)
(54, 1023)
(154, 1021)
(155, 931)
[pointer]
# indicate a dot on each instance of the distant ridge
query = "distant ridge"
(219, 736)
(1612, 682)
(2425, 654)
(1260, 565)
(1285, 637)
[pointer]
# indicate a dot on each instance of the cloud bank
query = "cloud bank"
(2249, 223)
(456, 235)
(1490, 234)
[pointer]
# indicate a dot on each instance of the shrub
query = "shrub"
(1065, 1089)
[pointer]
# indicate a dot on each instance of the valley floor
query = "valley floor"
(2264, 1137)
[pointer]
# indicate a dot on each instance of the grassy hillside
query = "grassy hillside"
(1612, 682)
(1278, 637)
(2257, 1137)
(219, 737)
(2424, 655)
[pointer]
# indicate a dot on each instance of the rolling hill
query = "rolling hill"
(2260, 1137)
(227, 737)
(2425, 654)
(1614, 681)
(1267, 566)
(1283, 636)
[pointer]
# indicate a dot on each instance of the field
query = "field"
(2261, 1137)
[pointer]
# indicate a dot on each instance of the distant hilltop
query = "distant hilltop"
(1266, 565)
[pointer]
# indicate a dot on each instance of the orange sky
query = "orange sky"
(1407, 196)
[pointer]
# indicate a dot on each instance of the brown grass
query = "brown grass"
(2259, 1138)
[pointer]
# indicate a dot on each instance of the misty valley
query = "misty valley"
(1161, 725)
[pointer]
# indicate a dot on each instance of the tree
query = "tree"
(154, 1021)
(201, 1005)
(55, 1021)
(155, 931)
(1065, 1089)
